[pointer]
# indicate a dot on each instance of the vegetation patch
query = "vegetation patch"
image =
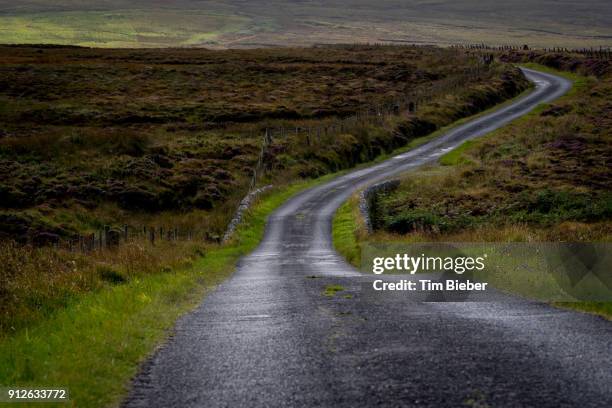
(542, 171)
(170, 137)
(455, 156)
(120, 28)
(232, 23)
(346, 231)
(331, 290)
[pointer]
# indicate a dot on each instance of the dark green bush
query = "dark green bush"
(110, 275)
(414, 220)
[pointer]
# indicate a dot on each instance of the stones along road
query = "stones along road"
(268, 337)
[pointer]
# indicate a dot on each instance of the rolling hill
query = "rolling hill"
(239, 23)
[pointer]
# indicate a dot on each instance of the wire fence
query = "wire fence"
(372, 115)
(604, 53)
(111, 237)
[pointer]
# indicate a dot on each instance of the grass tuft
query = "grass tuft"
(331, 290)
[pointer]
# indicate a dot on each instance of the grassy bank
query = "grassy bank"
(542, 178)
(347, 231)
(94, 345)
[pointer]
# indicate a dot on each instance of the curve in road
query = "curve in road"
(268, 337)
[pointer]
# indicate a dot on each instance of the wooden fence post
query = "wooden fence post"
(106, 231)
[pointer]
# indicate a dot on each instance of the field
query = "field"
(235, 23)
(545, 178)
(125, 28)
(119, 141)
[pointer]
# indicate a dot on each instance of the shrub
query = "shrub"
(110, 275)
(414, 220)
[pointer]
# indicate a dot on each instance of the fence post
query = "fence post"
(106, 231)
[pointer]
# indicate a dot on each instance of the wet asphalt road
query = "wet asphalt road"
(268, 337)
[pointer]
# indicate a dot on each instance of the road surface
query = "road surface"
(268, 337)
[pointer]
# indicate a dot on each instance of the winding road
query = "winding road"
(268, 337)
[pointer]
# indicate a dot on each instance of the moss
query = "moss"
(331, 290)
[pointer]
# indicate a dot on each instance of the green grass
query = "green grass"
(344, 231)
(95, 345)
(331, 290)
(455, 156)
(543, 23)
(603, 309)
(120, 28)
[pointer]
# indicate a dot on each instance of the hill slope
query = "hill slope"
(238, 23)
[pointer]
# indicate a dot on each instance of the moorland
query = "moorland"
(236, 23)
(543, 178)
(168, 140)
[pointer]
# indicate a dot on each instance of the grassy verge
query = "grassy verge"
(95, 345)
(346, 230)
(455, 156)
(603, 309)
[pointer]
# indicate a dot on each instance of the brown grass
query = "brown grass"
(36, 281)
(169, 138)
(545, 177)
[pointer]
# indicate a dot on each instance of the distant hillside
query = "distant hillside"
(242, 23)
